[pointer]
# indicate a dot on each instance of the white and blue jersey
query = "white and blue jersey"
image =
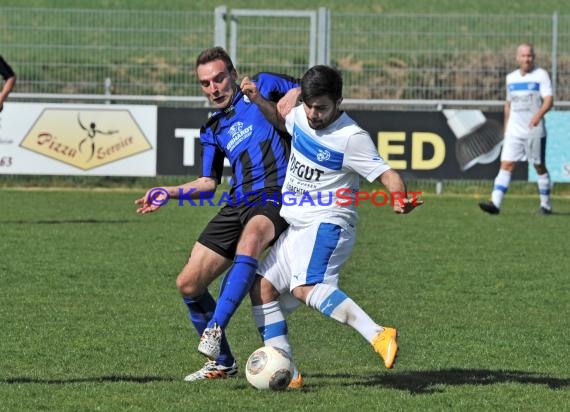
(321, 231)
(257, 152)
(525, 94)
(324, 165)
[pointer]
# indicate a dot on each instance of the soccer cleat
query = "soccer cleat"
(211, 370)
(489, 207)
(210, 342)
(544, 211)
(297, 383)
(386, 345)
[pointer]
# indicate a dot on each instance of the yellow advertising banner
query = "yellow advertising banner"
(86, 138)
(78, 139)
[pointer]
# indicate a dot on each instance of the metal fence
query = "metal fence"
(95, 52)
(385, 57)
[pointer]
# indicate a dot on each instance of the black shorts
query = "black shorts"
(223, 232)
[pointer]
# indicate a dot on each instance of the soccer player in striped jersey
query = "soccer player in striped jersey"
(529, 98)
(243, 228)
(329, 154)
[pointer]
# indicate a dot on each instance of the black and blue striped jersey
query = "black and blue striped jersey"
(257, 152)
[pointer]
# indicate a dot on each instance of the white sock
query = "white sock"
(334, 303)
(544, 190)
(271, 325)
(501, 186)
(270, 321)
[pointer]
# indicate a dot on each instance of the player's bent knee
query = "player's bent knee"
(262, 291)
(253, 245)
(301, 292)
(189, 286)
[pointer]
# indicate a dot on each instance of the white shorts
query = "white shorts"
(307, 256)
(517, 149)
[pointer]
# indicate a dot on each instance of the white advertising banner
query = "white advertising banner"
(78, 139)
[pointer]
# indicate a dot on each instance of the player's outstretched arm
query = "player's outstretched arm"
(402, 204)
(157, 197)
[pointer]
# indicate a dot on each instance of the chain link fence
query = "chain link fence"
(382, 56)
(72, 51)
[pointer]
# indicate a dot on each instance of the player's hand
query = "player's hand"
(288, 101)
(152, 200)
(534, 121)
(404, 206)
(249, 88)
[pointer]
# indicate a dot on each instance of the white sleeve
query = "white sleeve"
(290, 120)
(362, 157)
(545, 84)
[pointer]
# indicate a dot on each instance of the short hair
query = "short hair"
(213, 54)
(321, 80)
(525, 44)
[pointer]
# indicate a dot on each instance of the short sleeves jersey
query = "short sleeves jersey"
(525, 94)
(325, 169)
(257, 152)
(5, 70)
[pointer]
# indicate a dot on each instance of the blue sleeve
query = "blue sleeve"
(212, 156)
(273, 86)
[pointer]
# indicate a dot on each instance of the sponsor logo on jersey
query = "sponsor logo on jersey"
(238, 134)
(303, 171)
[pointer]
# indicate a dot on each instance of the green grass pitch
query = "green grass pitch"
(91, 318)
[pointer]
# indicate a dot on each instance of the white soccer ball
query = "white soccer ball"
(269, 368)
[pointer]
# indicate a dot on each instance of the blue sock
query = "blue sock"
(235, 286)
(201, 310)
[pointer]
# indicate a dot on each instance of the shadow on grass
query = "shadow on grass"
(94, 379)
(427, 382)
(65, 221)
(560, 214)
(416, 383)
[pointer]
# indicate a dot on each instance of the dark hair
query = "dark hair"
(321, 81)
(213, 54)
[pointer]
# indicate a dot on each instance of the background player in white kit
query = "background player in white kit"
(529, 98)
(329, 152)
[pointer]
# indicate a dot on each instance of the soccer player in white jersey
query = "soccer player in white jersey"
(529, 98)
(329, 155)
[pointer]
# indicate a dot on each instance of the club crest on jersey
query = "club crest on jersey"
(323, 155)
(236, 128)
(238, 133)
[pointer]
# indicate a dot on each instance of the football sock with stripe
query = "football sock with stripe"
(201, 309)
(236, 285)
(271, 324)
(544, 190)
(500, 187)
(334, 303)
